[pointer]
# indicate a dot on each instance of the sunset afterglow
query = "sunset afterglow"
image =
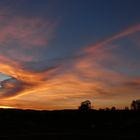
(6, 107)
(55, 54)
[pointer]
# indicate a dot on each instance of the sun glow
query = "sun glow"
(6, 107)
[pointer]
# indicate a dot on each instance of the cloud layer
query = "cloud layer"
(104, 72)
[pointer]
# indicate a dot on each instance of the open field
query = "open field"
(69, 124)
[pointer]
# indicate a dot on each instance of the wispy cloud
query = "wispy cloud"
(103, 43)
(23, 80)
(20, 35)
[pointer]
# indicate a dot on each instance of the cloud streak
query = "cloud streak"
(23, 80)
(21, 37)
(101, 44)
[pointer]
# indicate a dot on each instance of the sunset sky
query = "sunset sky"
(54, 54)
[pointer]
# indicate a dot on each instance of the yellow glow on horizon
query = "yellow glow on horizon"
(6, 107)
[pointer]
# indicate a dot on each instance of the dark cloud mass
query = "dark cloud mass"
(11, 87)
(133, 84)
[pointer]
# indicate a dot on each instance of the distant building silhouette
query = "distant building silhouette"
(85, 105)
(135, 105)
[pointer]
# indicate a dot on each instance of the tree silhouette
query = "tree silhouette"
(85, 105)
(113, 108)
(135, 105)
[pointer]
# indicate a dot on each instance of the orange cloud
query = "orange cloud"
(23, 81)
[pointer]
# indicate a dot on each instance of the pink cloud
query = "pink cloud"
(27, 32)
(19, 34)
(104, 43)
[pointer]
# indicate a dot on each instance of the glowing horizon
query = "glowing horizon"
(6, 107)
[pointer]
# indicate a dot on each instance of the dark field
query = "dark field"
(69, 124)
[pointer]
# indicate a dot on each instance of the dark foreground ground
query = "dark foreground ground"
(69, 124)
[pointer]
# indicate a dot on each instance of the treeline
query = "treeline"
(86, 105)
